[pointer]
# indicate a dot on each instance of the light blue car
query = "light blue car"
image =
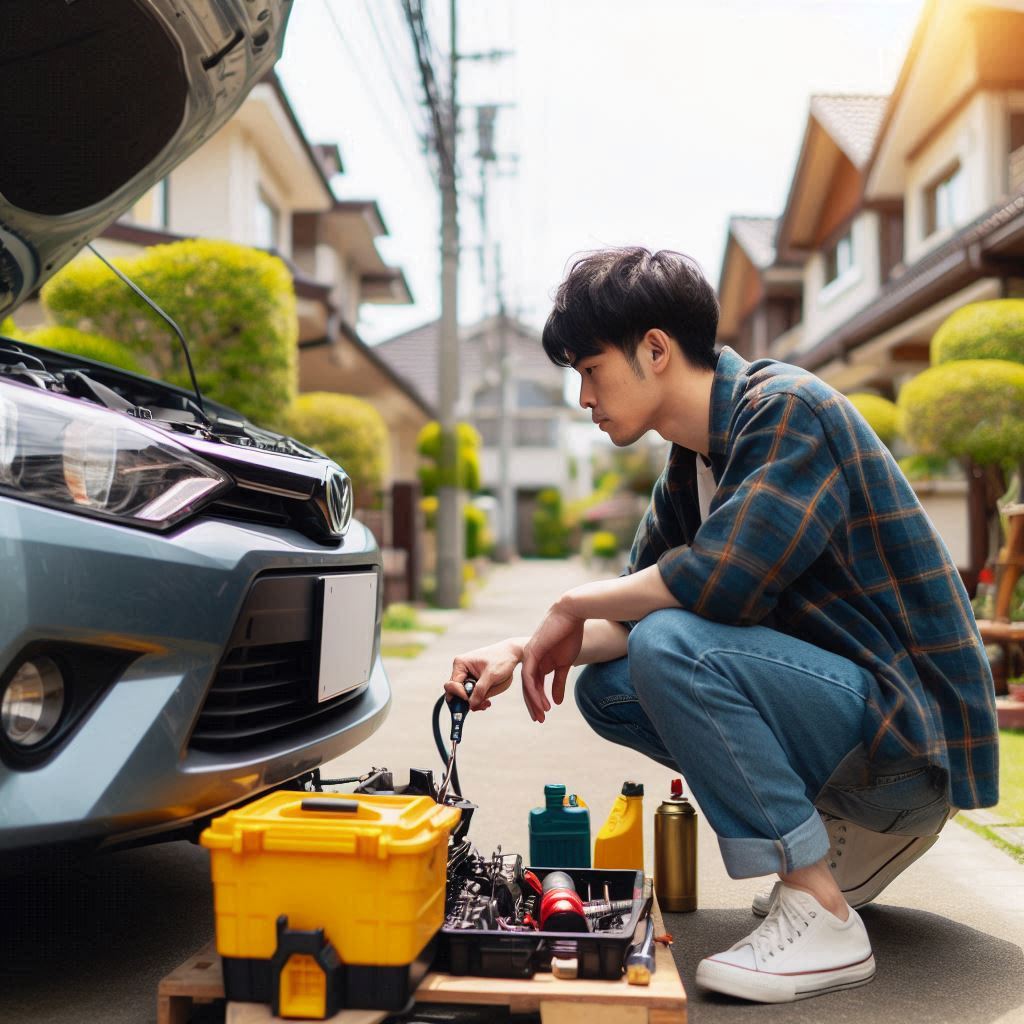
(188, 613)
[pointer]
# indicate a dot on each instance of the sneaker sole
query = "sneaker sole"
(781, 988)
(868, 890)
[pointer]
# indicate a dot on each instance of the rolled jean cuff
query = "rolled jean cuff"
(799, 848)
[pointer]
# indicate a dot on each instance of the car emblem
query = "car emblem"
(339, 502)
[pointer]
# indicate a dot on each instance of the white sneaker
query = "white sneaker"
(863, 863)
(799, 950)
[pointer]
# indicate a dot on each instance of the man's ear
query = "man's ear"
(659, 347)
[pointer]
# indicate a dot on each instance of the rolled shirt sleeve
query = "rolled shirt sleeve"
(779, 502)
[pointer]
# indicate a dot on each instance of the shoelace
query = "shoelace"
(785, 922)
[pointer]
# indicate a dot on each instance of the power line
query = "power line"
(369, 84)
(391, 60)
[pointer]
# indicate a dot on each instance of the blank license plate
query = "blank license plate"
(347, 628)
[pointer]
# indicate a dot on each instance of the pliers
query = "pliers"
(459, 709)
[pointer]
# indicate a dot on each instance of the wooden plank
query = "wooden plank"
(559, 1001)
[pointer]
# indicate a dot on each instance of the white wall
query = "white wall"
(977, 138)
(827, 306)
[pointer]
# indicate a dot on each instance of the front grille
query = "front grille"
(265, 686)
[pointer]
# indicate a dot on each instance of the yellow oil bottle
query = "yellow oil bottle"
(620, 843)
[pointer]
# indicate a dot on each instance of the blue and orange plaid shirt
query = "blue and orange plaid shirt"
(814, 531)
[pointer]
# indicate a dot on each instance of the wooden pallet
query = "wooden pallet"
(558, 1001)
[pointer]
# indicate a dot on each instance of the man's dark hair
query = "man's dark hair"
(615, 296)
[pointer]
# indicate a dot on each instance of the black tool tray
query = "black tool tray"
(502, 954)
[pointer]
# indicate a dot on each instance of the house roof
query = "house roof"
(756, 236)
(837, 143)
(414, 355)
(853, 122)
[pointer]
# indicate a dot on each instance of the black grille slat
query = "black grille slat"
(265, 687)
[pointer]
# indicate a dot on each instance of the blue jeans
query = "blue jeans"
(766, 729)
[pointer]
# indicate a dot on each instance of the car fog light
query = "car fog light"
(32, 702)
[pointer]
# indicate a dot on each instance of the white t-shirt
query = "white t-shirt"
(706, 485)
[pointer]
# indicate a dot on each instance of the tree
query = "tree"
(882, 415)
(235, 306)
(428, 444)
(981, 330)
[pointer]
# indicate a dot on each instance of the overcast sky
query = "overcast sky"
(642, 122)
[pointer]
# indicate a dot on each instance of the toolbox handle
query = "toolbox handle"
(337, 806)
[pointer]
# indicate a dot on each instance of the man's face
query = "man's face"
(619, 401)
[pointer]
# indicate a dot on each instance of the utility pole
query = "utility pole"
(450, 530)
(506, 492)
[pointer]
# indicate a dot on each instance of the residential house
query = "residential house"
(901, 210)
(544, 449)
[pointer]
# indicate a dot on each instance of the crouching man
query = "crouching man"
(791, 634)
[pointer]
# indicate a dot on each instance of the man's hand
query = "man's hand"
(554, 647)
(490, 666)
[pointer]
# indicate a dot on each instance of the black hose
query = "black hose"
(439, 740)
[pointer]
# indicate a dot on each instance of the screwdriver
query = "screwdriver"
(459, 709)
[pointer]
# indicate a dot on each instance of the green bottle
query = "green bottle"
(560, 831)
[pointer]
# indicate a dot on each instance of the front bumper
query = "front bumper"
(127, 769)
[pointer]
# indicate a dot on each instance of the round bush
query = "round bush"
(88, 346)
(604, 544)
(882, 415)
(9, 329)
(234, 305)
(970, 408)
(348, 430)
(982, 330)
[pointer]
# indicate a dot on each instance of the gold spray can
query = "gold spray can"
(675, 852)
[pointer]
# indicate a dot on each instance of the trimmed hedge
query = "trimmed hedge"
(88, 346)
(550, 530)
(981, 330)
(428, 444)
(882, 415)
(969, 408)
(348, 430)
(235, 306)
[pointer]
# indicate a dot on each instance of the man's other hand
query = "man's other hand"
(553, 648)
(492, 668)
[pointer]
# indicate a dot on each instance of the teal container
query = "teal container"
(559, 834)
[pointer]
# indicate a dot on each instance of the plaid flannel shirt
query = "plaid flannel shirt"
(815, 532)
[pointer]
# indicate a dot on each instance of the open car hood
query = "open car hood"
(101, 99)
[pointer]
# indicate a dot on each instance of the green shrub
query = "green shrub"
(982, 330)
(9, 329)
(429, 507)
(924, 467)
(399, 616)
(550, 530)
(347, 429)
(604, 544)
(428, 444)
(88, 346)
(882, 415)
(967, 409)
(478, 537)
(235, 306)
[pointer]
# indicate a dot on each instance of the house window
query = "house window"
(944, 201)
(1016, 152)
(153, 209)
(268, 222)
(536, 433)
(488, 428)
(839, 258)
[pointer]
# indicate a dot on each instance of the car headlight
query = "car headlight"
(69, 455)
(32, 702)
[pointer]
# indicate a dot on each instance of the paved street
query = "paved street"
(90, 944)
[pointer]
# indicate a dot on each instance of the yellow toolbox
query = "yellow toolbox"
(330, 900)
